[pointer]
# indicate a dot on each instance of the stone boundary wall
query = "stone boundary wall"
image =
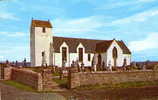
(7, 71)
(93, 78)
(41, 81)
(27, 77)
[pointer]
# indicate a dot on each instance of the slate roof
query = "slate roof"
(40, 23)
(91, 46)
(124, 47)
(103, 46)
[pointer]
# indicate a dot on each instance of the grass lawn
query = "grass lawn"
(61, 82)
(56, 74)
(19, 85)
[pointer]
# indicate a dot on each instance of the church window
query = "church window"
(89, 57)
(115, 55)
(43, 29)
(81, 54)
(64, 54)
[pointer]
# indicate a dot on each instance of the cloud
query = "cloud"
(123, 3)
(16, 52)
(7, 15)
(140, 17)
(1, 57)
(146, 1)
(150, 42)
(78, 26)
(13, 34)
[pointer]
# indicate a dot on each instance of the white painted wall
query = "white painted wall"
(72, 56)
(128, 58)
(58, 59)
(121, 56)
(68, 60)
(41, 43)
(119, 61)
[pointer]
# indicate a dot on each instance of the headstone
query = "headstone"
(82, 66)
(24, 62)
(110, 66)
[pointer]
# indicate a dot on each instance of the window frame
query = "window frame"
(64, 54)
(89, 57)
(80, 54)
(43, 29)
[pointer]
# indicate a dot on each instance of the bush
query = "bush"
(132, 68)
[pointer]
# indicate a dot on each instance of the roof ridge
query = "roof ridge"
(40, 20)
(81, 38)
(41, 23)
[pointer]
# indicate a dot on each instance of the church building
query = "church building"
(50, 50)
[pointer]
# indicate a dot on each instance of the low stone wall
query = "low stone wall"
(47, 81)
(92, 78)
(7, 71)
(27, 77)
(1, 72)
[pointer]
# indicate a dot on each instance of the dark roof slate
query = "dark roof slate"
(103, 46)
(40, 23)
(91, 46)
(124, 47)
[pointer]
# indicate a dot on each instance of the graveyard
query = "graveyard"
(75, 81)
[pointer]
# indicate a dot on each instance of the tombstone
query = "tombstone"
(73, 64)
(95, 61)
(103, 65)
(7, 62)
(64, 63)
(24, 63)
(144, 67)
(110, 66)
(82, 66)
(77, 65)
(16, 63)
(124, 64)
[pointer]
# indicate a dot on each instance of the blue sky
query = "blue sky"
(133, 21)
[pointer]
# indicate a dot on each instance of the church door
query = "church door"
(114, 53)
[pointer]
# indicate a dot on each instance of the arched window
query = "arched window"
(114, 54)
(81, 54)
(64, 54)
(43, 29)
(89, 57)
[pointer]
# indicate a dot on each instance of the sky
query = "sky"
(133, 21)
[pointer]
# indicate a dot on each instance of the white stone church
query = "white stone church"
(45, 48)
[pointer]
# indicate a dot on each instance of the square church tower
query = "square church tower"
(40, 43)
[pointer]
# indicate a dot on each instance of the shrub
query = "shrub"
(133, 68)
